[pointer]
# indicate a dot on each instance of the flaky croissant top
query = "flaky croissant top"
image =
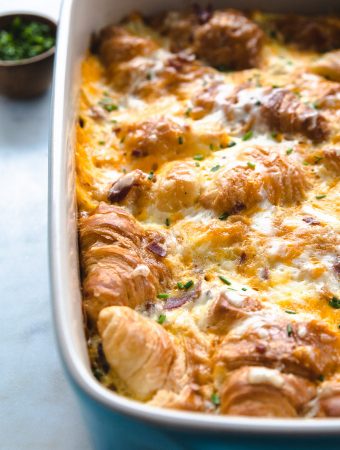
(208, 163)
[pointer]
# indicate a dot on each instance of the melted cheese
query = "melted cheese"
(284, 255)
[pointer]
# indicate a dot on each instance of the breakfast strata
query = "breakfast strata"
(208, 163)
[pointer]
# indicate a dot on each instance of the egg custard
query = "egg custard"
(208, 162)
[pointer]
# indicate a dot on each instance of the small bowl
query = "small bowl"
(27, 78)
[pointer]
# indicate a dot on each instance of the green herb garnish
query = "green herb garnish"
(251, 165)
(198, 157)
(180, 140)
(225, 281)
(321, 378)
(215, 168)
(167, 222)
(334, 302)
(248, 135)
(288, 311)
(215, 399)
(107, 104)
(188, 284)
(231, 144)
(188, 111)
(161, 319)
(180, 285)
(162, 295)
(289, 151)
(150, 176)
(23, 39)
(319, 197)
(289, 330)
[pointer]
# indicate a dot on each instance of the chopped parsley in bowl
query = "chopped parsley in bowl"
(27, 46)
(22, 39)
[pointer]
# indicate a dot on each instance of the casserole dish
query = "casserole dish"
(109, 416)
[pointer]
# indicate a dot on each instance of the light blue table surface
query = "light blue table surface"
(38, 410)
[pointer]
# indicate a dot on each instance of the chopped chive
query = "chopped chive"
(288, 311)
(188, 284)
(334, 302)
(149, 76)
(211, 146)
(150, 176)
(224, 216)
(122, 140)
(109, 106)
(248, 135)
(215, 168)
(305, 163)
(321, 378)
(101, 142)
(315, 105)
(198, 157)
(244, 289)
(289, 330)
(317, 159)
(161, 319)
(251, 165)
(257, 103)
(180, 285)
(197, 164)
(180, 140)
(225, 281)
(274, 134)
(215, 399)
(319, 197)
(188, 111)
(167, 222)
(231, 144)
(339, 326)
(113, 121)
(162, 295)
(289, 151)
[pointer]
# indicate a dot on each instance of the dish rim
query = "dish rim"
(73, 363)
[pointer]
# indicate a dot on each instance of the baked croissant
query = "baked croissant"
(263, 392)
(141, 352)
(120, 267)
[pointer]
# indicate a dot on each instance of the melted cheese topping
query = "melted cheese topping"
(283, 253)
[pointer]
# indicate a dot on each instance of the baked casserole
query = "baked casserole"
(208, 162)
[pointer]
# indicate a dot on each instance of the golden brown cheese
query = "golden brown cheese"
(208, 192)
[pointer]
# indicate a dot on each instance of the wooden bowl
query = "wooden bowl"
(26, 78)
